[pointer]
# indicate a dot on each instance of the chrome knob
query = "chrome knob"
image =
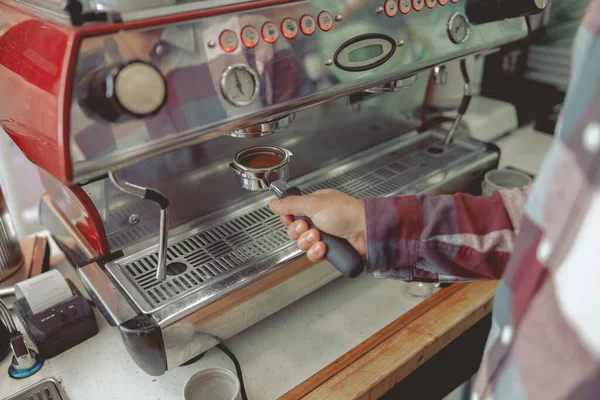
(136, 89)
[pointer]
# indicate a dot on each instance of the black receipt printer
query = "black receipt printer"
(60, 326)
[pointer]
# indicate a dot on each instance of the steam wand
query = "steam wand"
(462, 109)
(163, 203)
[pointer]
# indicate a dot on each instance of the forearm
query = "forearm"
(451, 237)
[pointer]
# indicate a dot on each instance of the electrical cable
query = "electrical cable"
(7, 319)
(238, 368)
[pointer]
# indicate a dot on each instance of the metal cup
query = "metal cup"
(256, 177)
(213, 384)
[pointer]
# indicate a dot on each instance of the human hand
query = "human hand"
(331, 211)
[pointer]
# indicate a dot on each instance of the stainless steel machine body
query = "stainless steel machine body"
(352, 74)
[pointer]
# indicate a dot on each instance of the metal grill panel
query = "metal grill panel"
(47, 389)
(251, 237)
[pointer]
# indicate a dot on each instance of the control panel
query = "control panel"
(218, 74)
(271, 31)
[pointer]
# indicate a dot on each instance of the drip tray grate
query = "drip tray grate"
(251, 237)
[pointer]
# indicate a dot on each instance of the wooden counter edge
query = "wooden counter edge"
(462, 306)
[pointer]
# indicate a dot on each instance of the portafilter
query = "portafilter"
(262, 168)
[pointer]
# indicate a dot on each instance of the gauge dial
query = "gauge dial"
(240, 85)
(459, 28)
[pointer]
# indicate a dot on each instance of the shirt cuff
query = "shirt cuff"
(393, 236)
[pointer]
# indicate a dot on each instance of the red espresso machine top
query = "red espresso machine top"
(94, 86)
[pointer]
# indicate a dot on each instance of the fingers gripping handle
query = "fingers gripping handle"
(340, 252)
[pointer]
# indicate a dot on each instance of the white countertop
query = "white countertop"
(277, 353)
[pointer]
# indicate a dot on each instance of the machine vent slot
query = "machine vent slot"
(247, 239)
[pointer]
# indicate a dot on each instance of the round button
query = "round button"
(270, 32)
(289, 28)
(73, 312)
(228, 41)
(325, 21)
(140, 88)
(544, 250)
(430, 3)
(391, 8)
(63, 316)
(308, 25)
(417, 4)
(250, 37)
(442, 2)
(591, 137)
(404, 6)
(506, 335)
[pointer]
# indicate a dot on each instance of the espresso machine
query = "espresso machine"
(138, 114)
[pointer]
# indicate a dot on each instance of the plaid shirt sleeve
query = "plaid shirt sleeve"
(544, 341)
(444, 238)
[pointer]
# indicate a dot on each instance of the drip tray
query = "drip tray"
(48, 389)
(213, 251)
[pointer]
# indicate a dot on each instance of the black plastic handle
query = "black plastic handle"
(340, 252)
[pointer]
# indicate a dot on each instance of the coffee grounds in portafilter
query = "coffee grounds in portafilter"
(261, 160)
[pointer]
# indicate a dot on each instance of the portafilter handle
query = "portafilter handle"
(340, 252)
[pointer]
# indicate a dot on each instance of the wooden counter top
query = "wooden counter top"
(372, 368)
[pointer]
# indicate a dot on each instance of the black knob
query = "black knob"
(136, 89)
(63, 316)
(481, 11)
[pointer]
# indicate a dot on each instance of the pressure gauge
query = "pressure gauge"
(240, 85)
(459, 28)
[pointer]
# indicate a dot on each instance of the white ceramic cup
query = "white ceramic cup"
(503, 179)
(213, 384)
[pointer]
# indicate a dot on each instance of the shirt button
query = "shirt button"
(591, 137)
(506, 335)
(544, 250)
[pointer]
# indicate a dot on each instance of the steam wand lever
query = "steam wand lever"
(163, 203)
